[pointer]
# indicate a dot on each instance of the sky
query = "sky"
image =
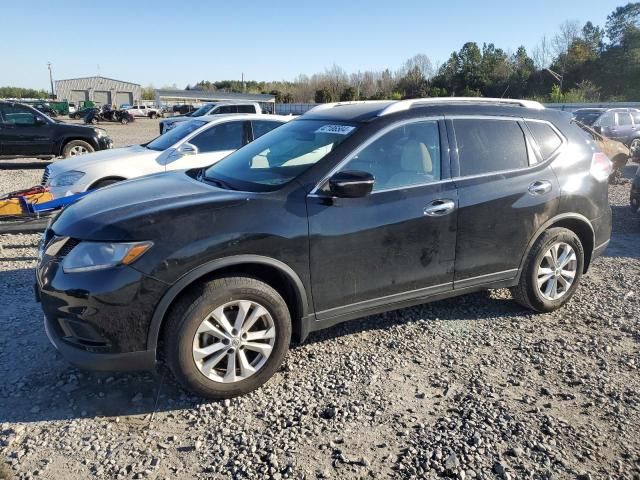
(164, 42)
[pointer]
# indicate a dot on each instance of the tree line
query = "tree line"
(580, 63)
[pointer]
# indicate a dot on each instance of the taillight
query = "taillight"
(601, 166)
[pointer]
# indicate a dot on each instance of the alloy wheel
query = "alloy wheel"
(635, 147)
(557, 271)
(234, 341)
(78, 150)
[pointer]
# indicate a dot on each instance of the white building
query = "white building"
(100, 90)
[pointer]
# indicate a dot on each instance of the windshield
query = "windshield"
(174, 135)
(588, 118)
(202, 110)
(279, 156)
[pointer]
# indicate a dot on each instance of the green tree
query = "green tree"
(349, 94)
(323, 95)
(621, 20)
(148, 93)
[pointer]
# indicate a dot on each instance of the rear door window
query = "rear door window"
(546, 137)
(223, 136)
(260, 127)
(489, 145)
(246, 109)
(623, 119)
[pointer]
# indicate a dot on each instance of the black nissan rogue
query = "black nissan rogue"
(349, 210)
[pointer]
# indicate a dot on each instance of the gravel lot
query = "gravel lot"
(471, 387)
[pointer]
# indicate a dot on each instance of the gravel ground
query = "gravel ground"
(471, 387)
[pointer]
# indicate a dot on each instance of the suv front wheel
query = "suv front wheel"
(552, 271)
(228, 338)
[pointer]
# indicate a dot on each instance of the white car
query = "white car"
(194, 144)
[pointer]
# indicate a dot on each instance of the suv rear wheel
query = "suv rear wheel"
(229, 338)
(76, 147)
(552, 271)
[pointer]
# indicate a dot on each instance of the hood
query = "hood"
(142, 208)
(82, 162)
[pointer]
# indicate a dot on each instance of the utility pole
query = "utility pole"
(243, 89)
(53, 95)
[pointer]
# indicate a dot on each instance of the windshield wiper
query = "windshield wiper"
(218, 183)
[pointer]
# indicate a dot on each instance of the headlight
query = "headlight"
(100, 132)
(88, 256)
(67, 178)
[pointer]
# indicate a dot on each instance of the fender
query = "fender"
(549, 223)
(212, 266)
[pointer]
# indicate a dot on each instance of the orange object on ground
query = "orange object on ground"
(10, 203)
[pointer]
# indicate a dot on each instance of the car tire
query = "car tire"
(634, 146)
(543, 268)
(124, 121)
(104, 183)
(76, 147)
(207, 356)
(152, 116)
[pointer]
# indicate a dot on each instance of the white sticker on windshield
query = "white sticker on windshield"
(337, 129)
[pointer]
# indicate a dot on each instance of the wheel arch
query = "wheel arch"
(110, 177)
(274, 272)
(578, 224)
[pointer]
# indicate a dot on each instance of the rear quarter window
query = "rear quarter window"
(490, 145)
(546, 137)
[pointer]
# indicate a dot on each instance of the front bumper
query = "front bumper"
(98, 320)
(128, 361)
(105, 143)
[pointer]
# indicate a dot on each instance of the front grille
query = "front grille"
(45, 176)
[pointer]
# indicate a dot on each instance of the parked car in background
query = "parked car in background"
(346, 211)
(212, 109)
(83, 112)
(26, 132)
(124, 106)
(184, 109)
(46, 109)
(617, 152)
(193, 144)
(144, 111)
(621, 124)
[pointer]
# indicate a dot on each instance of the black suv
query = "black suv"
(26, 132)
(349, 210)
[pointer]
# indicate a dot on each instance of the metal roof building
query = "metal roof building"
(166, 96)
(101, 90)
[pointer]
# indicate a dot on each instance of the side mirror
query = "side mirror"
(351, 184)
(598, 129)
(187, 149)
(38, 120)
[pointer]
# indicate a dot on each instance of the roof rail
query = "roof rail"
(402, 105)
(326, 106)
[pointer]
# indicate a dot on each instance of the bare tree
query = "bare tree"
(422, 62)
(541, 54)
(561, 43)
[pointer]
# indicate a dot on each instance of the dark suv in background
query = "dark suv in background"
(349, 210)
(27, 132)
(621, 124)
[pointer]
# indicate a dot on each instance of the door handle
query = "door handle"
(540, 187)
(438, 208)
